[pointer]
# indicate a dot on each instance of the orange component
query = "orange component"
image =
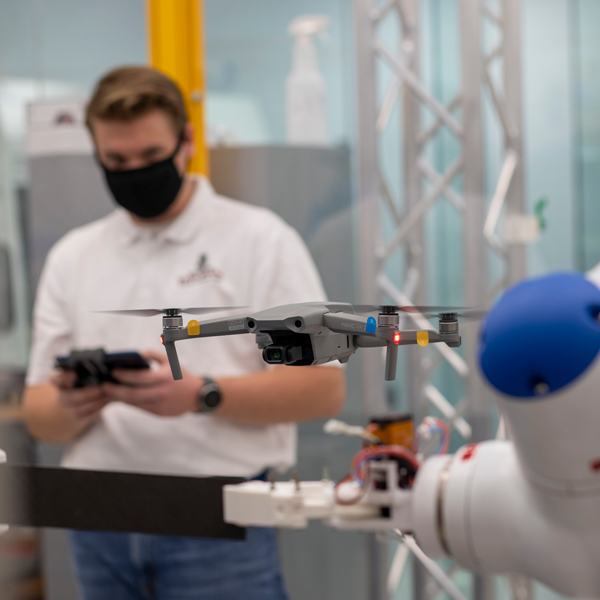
(396, 429)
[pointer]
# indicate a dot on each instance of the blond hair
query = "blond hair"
(126, 93)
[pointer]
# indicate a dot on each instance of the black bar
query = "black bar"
(115, 501)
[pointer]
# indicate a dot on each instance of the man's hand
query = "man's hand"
(84, 404)
(155, 390)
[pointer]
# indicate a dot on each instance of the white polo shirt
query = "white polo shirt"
(218, 252)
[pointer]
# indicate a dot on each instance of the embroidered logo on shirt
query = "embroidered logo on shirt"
(203, 272)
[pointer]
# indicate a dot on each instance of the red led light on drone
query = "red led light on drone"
(162, 341)
(397, 337)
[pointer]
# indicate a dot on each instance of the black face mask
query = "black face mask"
(147, 192)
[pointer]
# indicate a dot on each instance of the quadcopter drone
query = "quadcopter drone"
(312, 333)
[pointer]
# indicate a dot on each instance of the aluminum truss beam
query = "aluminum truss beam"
(392, 228)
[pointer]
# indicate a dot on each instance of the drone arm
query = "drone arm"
(364, 341)
(406, 338)
(214, 328)
(193, 330)
(341, 322)
(388, 338)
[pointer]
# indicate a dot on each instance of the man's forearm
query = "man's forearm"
(47, 420)
(282, 395)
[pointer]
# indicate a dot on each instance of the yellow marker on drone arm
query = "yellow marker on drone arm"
(193, 328)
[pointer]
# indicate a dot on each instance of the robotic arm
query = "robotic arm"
(528, 505)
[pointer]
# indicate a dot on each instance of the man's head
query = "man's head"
(137, 119)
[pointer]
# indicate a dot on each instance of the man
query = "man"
(172, 242)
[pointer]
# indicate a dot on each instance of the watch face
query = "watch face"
(212, 399)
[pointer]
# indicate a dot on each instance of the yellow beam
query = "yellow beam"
(176, 47)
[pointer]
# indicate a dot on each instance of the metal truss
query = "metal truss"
(392, 225)
(502, 78)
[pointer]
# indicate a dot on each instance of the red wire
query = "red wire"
(446, 433)
(376, 451)
(354, 500)
(367, 454)
(446, 429)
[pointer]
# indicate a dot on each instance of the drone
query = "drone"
(312, 333)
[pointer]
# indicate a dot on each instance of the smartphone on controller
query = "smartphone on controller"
(94, 367)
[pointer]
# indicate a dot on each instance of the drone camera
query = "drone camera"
(286, 348)
(273, 355)
(282, 355)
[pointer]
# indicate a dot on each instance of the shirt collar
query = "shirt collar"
(181, 230)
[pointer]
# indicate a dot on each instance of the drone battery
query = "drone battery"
(393, 429)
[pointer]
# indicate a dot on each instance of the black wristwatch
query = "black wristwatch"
(209, 396)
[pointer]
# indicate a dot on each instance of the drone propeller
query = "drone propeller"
(427, 311)
(152, 312)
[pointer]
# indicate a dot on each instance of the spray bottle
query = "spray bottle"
(305, 86)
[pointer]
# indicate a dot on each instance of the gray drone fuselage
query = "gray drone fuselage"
(312, 333)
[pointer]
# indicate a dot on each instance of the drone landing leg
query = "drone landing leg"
(391, 361)
(173, 360)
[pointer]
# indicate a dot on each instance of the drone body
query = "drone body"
(312, 333)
